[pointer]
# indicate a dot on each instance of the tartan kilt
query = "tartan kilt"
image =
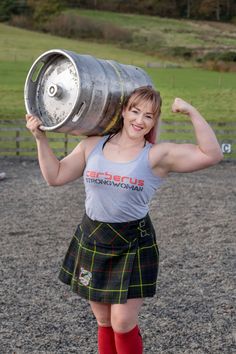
(112, 262)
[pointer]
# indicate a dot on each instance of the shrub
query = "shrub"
(183, 52)
(220, 65)
(211, 56)
(21, 21)
(73, 26)
(229, 56)
(147, 41)
(115, 34)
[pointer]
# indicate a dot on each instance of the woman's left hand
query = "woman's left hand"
(181, 106)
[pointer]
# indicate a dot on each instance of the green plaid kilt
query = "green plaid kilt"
(112, 262)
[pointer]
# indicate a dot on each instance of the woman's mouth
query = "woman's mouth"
(137, 128)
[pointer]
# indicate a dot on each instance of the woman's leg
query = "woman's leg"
(106, 340)
(102, 312)
(124, 321)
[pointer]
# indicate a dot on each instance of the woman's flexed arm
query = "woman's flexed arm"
(207, 152)
(173, 157)
(55, 172)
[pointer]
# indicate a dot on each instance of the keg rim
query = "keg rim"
(63, 52)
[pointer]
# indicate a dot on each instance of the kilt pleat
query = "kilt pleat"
(112, 262)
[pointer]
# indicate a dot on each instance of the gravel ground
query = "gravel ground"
(193, 311)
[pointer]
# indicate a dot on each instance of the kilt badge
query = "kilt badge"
(84, 276)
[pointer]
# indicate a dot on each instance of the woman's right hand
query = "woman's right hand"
(34, 124)
(181, 106)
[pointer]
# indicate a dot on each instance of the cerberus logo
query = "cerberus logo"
(115, 178)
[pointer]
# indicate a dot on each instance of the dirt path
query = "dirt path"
(194, 216)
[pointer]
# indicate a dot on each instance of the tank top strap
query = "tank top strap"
(99, 146)
(108, 137)
(143, 155)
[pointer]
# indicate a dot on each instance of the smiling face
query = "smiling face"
(139, 119)
(141, 113)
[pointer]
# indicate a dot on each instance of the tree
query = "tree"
(11, 7)
(216, 9)
(166, 8)
(43, 9)
(189, 5)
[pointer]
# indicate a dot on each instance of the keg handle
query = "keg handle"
(37, 70)
(79, 113)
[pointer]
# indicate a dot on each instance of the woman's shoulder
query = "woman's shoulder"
(160, 149)
(91, 140)
(90, 143)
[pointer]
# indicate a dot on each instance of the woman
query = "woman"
(112, 260)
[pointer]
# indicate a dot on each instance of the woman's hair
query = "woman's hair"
(144, 94)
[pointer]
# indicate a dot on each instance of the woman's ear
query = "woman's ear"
(123, 112)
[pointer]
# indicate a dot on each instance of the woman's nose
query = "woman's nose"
(139, 119)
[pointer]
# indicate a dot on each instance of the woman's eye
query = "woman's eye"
(150, 117)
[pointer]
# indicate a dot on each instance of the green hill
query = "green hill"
(156, 34)
(20, 45)
(19, 49)
(213, 93)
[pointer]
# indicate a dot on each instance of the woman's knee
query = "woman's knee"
(124, 317)
(102, 312)
(103, 322)
(123, 323)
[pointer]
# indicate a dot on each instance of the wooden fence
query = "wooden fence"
(16, 140)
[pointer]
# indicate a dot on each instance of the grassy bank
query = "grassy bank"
(19, 45)
(171, 32)
(213, 93)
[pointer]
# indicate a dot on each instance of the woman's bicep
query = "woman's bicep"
(186, 158)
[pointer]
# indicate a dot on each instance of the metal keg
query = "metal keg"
(79, 94)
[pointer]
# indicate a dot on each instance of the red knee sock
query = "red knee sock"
(130, 342)
(106, 340)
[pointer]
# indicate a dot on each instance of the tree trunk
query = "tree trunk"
(218, 10)
(189, 3)
(228, 6)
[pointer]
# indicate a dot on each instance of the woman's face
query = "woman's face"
(138, 120)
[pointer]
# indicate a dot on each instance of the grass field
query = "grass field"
(22, 45)
(19, 49)
(213, 93)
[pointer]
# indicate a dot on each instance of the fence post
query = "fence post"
(17, 142)
(65, 144)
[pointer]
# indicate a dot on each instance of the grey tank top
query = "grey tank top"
(117, 191)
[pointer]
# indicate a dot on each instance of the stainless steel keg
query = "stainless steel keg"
(79, 94)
